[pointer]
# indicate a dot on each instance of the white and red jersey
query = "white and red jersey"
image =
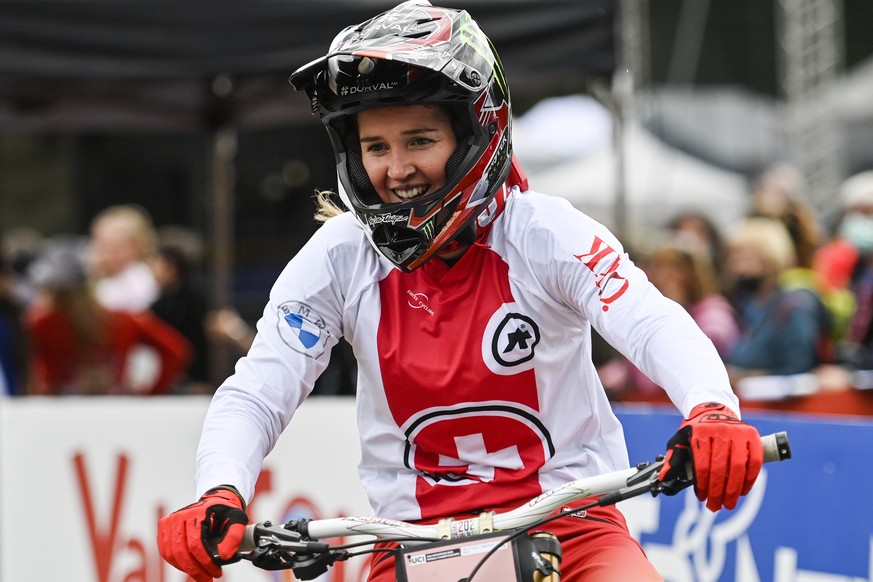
(475, 383)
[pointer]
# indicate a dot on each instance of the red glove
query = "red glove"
(194, 537)
(727, 454)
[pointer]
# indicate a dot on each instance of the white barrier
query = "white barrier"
(84, 480)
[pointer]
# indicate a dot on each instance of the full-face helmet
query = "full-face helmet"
(416, 53)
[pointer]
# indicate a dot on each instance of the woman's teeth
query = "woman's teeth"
(410, 193)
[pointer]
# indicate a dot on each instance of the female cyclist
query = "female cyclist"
(469, 302)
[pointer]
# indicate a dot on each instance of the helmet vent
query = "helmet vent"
(421, 34)
(454, 162)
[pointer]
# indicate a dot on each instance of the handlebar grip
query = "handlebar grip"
(776, 447)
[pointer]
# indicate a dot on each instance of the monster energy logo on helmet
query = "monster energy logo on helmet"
(428, 229)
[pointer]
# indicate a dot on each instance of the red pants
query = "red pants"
(595, 548)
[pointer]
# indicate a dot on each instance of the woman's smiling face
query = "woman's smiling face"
(405, 148)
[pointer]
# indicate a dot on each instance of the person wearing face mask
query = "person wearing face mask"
(847, 262)
(782, 329)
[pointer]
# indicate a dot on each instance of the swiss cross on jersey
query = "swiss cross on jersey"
(457, 356)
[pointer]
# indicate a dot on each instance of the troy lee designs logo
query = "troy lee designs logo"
(373, 220)
(354, 89)
(603, 261)
(419, 301)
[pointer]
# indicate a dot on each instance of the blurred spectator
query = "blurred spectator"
(681, 269)
(77, 346)
(11, 335)
(20, 245)
(847, 261)
(780, 193)
(182, 303)
(703, 230)
(122, 240)
(782, 330)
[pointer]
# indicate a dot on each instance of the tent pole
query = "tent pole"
(223, 176)
(633, 72)
(619, 151)
(614, 101)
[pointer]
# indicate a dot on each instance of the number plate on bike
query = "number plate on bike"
(456, 559)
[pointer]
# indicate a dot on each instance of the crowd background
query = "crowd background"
(149, 193)
(120, 310)
(123, 309)
(785, 299)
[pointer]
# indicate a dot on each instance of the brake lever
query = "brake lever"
(280, 548)
(265, 537)
(679, 482)
(277, 536)
(645, 480)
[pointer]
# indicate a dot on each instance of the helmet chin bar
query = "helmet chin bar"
(467, 235)
(403, 246)
(399, 244)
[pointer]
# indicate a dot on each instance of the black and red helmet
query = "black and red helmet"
(416, 53)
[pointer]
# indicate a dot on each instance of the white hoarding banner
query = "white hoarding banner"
(83, 482)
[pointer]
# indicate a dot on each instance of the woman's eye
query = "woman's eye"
(375, 148)
(422, 141)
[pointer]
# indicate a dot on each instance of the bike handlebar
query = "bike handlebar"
(776, 447)
(613, 487)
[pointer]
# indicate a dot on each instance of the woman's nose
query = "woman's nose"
(400, 166)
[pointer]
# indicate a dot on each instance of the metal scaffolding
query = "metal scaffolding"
(810, 58)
